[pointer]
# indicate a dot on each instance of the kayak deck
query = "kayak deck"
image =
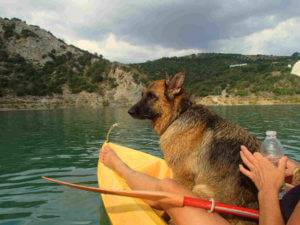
(125, 210)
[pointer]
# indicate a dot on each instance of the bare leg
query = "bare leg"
(135, 180)
(140, 181)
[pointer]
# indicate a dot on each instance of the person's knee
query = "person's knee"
(168, 185)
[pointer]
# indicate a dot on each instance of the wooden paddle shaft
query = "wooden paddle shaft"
(164, 197)
(174, 200)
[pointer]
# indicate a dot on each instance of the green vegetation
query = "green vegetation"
(23, 78)
(9, 30)
(98, 70)
(79, 69)
(28, 33)
(209, 74)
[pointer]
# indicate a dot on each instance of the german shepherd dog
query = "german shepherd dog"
(200, 147)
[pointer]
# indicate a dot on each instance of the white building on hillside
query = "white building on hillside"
(237, 65)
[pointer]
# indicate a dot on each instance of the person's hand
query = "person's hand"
(291, 166)
(262, 172)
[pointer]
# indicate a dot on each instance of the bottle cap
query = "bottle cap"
(271, 133)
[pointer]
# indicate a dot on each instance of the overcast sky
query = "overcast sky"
(139, 30)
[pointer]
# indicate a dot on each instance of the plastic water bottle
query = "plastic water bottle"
(271, 147)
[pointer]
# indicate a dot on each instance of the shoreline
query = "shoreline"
(93, 100)
(248, 100)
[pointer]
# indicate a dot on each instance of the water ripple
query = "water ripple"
(64, 144)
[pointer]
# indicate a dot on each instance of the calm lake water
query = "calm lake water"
(64, 144)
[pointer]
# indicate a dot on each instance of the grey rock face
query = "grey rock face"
(31, 42)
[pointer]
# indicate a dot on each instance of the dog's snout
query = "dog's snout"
(132, 111)
(141, 110)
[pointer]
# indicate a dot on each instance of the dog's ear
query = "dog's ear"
(174, 85)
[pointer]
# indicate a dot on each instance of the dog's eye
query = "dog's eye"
(150, 95)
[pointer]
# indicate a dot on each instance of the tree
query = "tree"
(296, 55)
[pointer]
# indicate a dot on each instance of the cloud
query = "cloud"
(144, 29)
(282, 39)
(123, 51)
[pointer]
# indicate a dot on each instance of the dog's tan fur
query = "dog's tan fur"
(196, 144)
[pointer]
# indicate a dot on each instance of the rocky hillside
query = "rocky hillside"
(32, 43)
(35, 66)
(34, 62)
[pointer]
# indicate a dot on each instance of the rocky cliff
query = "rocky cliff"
(32, 43)
(33, 62)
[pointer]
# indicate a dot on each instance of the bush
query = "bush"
(296, 55)
(3, 55)
(9, 30)
(97, 77)
(98, 70)
(137, 78)
(112, 82)
(16, 59)
(28, 33)
(284, 91)
(79, 83)
(84, 59)
(241, 93)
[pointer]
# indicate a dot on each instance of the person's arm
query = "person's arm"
(268, 180)
(295, 217)
(269, 209)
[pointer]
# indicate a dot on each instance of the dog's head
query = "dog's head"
(160, 99)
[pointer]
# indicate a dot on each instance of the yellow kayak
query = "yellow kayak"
(125, 210)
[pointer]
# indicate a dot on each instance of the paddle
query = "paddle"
(169, 198)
